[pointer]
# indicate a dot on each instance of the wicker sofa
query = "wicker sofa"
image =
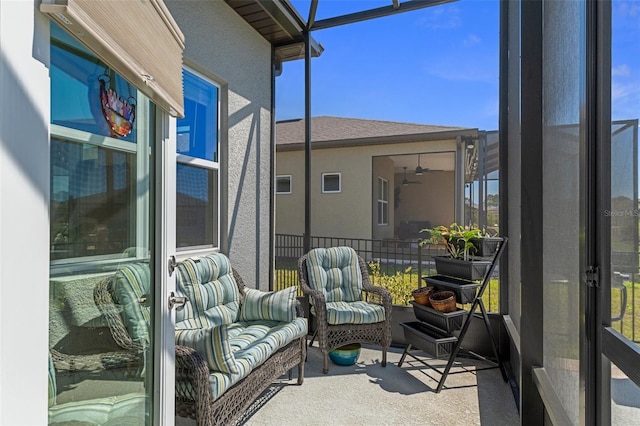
(231, 341)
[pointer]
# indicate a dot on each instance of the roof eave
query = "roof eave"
(379, 140)
(279, 23)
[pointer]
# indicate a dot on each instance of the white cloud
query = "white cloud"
(625, 100)
(622, 70)
(471, 40)
(442, 17)
(629, 8)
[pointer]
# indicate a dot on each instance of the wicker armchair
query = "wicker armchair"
(332, 302)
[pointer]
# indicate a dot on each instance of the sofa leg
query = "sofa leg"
(325, 365)
(300, 373)
(384, 357)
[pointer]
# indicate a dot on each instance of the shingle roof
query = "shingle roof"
(334, 129)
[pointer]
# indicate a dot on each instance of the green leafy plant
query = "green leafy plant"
(456, 238)
(400, 284)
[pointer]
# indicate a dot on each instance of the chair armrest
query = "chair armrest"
(192, 369)
(381, 292)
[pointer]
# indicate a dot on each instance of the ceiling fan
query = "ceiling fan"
(420, 170)
(406, 182)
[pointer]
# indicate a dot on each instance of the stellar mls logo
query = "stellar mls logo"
(622, 213)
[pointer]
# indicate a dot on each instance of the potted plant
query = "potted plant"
(462, 244)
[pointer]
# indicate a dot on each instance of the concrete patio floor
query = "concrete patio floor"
(369, 394)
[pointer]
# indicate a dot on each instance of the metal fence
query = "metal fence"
(394, 256)
(406, 258)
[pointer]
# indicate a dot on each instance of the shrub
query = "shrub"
(399, 284)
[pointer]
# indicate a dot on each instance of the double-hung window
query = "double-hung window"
(383, 201)
(198, 166)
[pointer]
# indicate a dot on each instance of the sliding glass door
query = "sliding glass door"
(621, 294)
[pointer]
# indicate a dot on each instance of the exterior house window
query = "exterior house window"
(331, 183)
(383, 201)
(283, 184)
(198, 168)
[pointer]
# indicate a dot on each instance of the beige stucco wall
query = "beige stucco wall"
(432, 200)
(350, 213)
(221, 45)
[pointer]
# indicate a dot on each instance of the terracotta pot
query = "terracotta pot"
(443, 301)
(421, 295)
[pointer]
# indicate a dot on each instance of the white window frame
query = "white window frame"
(290, 184)
(142, 151)
(339, 190)
(204, 164)
(383, 200)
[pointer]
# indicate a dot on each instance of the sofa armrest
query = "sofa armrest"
(192, 369)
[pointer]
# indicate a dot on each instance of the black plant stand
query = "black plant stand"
(430, 336)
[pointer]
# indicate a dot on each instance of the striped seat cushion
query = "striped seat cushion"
(336, 272)
(129, 409)
(353, 313)
(272, 305)
(130, 287)
(212, 292)
(252, 344)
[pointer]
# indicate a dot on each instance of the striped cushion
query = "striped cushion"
(252, 344)
(336, 272)
(131, 284)
(127, 409)
(353, 313)
(213, 345)
(53, 389)
(212, 291)
(277, 306)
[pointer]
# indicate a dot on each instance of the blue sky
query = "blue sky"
(438, 65)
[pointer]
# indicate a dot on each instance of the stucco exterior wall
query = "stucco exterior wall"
(24, 213)
(348, 214)
(224, 47)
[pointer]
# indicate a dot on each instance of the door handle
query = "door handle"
(177, 302)
(172, 264)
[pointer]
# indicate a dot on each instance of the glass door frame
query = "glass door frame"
(165, 247)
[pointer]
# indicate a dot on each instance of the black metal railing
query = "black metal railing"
(412, 261)
(393, 257)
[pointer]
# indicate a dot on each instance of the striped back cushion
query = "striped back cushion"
(131, 285)
(213, 294)
(335, 271)
(269, 305)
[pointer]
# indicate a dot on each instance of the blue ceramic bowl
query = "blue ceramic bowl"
(345, 355)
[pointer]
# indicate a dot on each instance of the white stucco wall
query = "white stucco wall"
(24, 213)
(222, 45)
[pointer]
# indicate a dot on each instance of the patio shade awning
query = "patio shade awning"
(138, 39)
